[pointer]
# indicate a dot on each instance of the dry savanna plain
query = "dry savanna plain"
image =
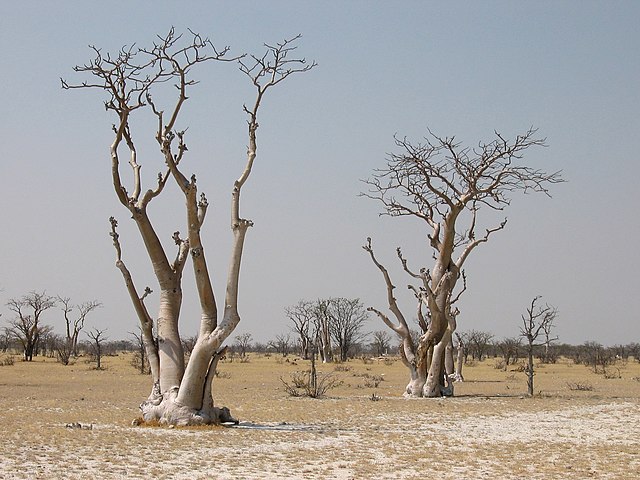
(578, 425)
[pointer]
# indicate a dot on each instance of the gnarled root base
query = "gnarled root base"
(167, 411)
(418, 389)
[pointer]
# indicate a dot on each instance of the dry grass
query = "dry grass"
(489, 430)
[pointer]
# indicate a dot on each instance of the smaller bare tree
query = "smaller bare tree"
(510, 350)
(140, 361)
(97, 343)
(347, 318)
(75, 323)
(282, 344)
(535, 323)
(478, 343)
(381, 342)
(243, 344)
(301, 316)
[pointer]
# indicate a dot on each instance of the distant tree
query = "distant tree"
(381, 342)
(47, 342)
(478, 343)
(535, 323)
(140, 360)
(188, 343)
(281, 344)
(348, 318)
(302, 315)
(97, 344)
(26, 327)
(510, 350)
(62, 348)
(5, 339)
(446, 185)
(75, 323)
(312, 323)
(634, 350)
(596, 356)
(242, 344)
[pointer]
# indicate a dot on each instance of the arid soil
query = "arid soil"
(489, 430)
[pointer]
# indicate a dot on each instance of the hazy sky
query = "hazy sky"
(571, 69)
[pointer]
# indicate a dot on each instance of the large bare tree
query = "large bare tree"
(446, 185)
(180, 395)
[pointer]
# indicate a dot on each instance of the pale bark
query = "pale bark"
(458, 377)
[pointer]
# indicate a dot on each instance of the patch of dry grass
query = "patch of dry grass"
(490, 429)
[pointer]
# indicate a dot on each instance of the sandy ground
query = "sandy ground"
(486, 432)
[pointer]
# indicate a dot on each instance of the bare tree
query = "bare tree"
(381, 342)
(347, 318)
(97, 342)
(446, 185)
(140, 360)
(243, 344)
(510, 350)
(302, 317)
(535, 323)
(281, 344)
(26, 327)
(478, 343)
(5, 339)
(74, 324)
(180, 395)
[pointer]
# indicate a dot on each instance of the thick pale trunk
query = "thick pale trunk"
(191, 393)
(435, 379)
(417, 370)
(449, 363)
(459, 363)
(170, 351)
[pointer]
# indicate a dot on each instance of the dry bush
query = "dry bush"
(610, 374)
(372, 381)
(7, 361)
(388, 361)
(303, 384)
(580, 386)
(341, 367)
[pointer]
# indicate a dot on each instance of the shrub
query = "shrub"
(305, 384)
(372, 381)
(341, 367)
(580, 386)
(7, 361)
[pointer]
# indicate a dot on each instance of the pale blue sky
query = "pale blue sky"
(572, 69)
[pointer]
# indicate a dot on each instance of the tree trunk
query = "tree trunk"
(170, 351)
(459, 363)
(435, 386)
(530, 371)
(417, 375)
